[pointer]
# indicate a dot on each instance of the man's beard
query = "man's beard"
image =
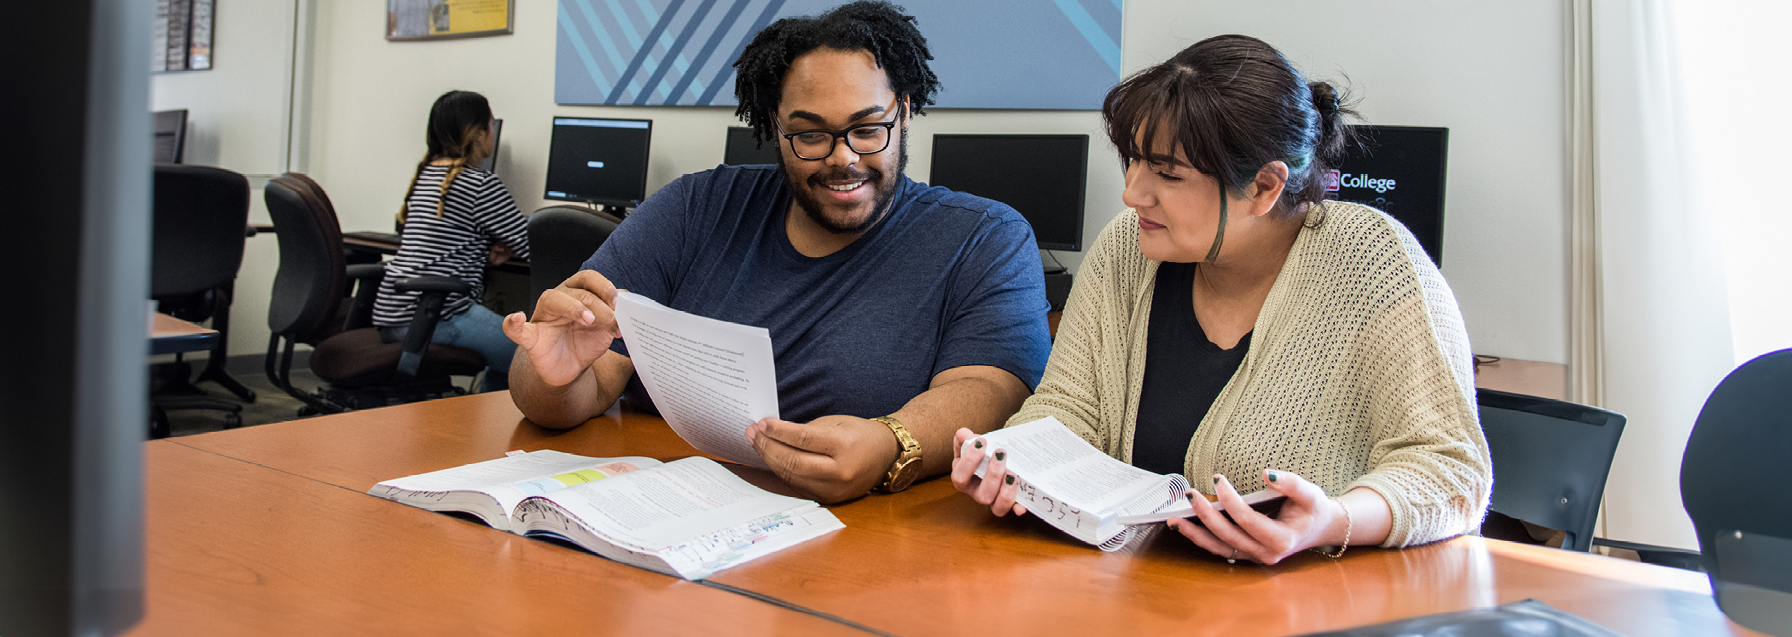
(880, 204)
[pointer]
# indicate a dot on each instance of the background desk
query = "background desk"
(268, 529)
(169, 335)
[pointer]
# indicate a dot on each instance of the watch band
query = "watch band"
(910, 456)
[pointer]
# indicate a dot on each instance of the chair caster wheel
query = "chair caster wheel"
(232, 421)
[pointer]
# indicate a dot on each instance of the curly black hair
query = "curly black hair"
(869, 25)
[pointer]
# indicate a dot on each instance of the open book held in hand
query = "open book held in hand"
(689, 518)
(709, 379)
(1073, 486)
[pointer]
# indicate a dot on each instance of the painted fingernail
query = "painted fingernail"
(1216, 479)
(1001, 455)
(1190, 496)
(1272, 476)
(977, 444)
(1008, 478)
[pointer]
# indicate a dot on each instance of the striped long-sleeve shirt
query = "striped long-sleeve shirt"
(479, 212)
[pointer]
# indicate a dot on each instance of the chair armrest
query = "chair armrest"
(360, 271)
(445, 285)
(435, 291)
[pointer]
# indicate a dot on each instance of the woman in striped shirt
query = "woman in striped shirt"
(457, 218)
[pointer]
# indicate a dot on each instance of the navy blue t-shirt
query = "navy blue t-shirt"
(946, 279)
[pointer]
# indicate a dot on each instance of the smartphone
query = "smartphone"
(1267, 502)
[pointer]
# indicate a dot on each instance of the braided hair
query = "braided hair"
(455, 122)
(869, 25)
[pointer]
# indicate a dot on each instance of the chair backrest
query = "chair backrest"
(201, 219)
(1550, 460)
(1730, 484)
(310, 187)
(561, 238)
(310, 285)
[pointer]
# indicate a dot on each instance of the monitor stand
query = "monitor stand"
(1057, 287)
(1054, 269)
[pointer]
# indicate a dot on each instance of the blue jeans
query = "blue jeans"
(478, 329)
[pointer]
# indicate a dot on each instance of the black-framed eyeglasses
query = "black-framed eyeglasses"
(817, 143)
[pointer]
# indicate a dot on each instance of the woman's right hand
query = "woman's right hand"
(998, 494)
(573, 326)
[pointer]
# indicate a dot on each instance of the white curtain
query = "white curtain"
(1662, 307)
(1738, 106)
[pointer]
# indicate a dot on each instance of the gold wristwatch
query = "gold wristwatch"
(908, 464)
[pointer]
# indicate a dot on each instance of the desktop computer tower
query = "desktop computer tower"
(1057, 289)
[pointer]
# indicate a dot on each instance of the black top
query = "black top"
(1184, 373)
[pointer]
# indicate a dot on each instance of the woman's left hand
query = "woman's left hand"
(499, 254)
(1308, 518)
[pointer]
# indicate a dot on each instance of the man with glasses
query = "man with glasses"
(898, 312)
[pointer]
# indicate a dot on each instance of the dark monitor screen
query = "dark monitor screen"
(601, 161)
(491, 163)
(1400, 171)
(1042, 176)
(743, 151)
(171, 136)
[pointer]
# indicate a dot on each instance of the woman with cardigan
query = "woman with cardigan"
(1235, 327)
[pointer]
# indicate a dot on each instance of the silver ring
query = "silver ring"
(1234, 558)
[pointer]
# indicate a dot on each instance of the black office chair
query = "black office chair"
(312, 305)
(201, 217)
(1550, 461)
(1732, 484)
(561, 238)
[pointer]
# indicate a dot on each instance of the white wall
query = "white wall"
(237, 119)
(1492, 73)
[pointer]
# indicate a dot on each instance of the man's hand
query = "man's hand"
(573, 325)
(833, 458)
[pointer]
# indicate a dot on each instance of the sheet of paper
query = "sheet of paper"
(710, 379)
(1046, 453)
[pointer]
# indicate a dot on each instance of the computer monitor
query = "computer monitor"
(1042, 176)
(491, 163)
(599, 161)
(742, 150)
(1399, 170)
(171, 136)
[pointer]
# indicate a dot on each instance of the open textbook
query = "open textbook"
(1073, 486)
(709, 379)
(689, 517)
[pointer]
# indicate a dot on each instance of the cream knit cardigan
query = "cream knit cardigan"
(1358, 373)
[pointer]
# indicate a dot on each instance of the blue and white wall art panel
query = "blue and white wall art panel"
(1026, 54)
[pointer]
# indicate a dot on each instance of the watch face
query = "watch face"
(905, 475)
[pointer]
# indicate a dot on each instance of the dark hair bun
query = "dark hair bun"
(1333, 131)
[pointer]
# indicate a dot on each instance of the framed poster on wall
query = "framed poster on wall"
(183, 36)
(442, 19)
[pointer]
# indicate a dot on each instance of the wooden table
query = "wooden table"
(268, 529)
(169, 335)
(1547, 380)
